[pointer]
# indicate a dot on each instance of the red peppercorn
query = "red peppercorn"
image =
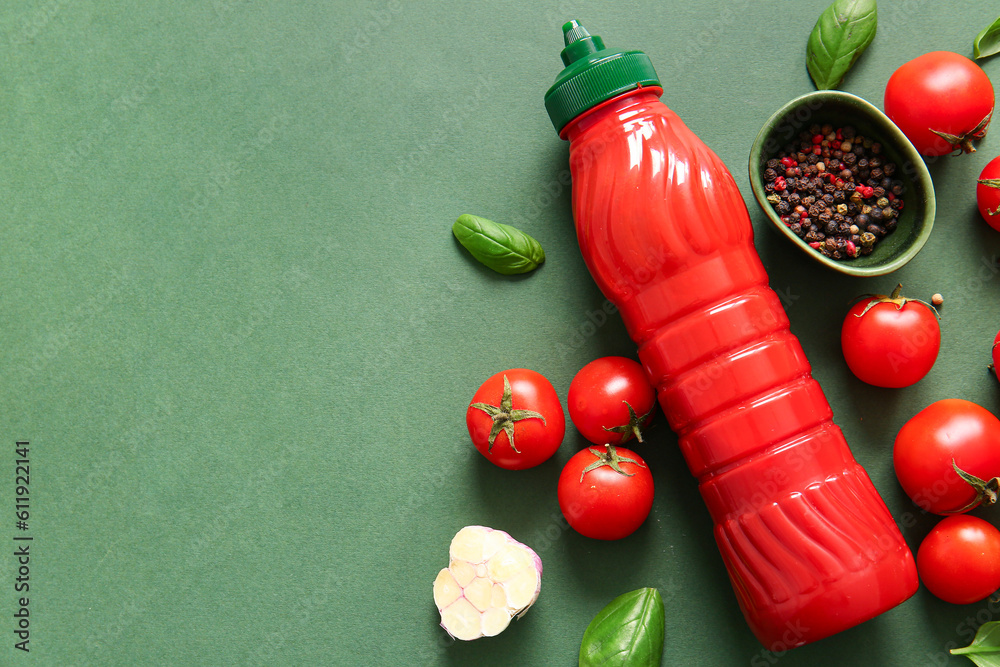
(815, 245)
(840, 135)
(817, 150)
(788, 162)
(818, 139)
(780, 184)
(835, 145)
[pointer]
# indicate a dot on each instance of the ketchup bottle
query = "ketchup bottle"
(809, 545)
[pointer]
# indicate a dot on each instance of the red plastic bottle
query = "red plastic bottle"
(808, 543)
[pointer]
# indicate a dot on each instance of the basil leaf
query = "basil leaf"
(988, 41)
(503, 248)
(629, 631)
(985, 648)
(844, 30)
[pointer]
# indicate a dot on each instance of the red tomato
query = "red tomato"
(890, 341)
(988, 193)
(948, 430)
(609, 399)
(606, 494)
(942, 101)
(959, 560)
(516, 420)
(996, 354)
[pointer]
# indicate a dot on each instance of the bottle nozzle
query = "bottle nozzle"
(579, 42)
(572, 31)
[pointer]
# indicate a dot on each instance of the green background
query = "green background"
(241, 339)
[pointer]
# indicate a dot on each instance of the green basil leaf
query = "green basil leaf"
(503, 248)
(988, 41)
(985, 648)
(844, 30)
(629, 631)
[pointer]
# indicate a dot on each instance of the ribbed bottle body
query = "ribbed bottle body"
(809, 545)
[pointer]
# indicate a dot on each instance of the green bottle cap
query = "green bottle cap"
(593, 74)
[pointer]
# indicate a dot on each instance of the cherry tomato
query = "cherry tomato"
(610, 399)
(890, 341)
(996, 354)
(948, 430)
(942, 101)
(988, 193)
(605, 493)
(516, 420)
(959, 560)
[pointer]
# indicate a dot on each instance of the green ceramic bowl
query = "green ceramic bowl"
(840, 109)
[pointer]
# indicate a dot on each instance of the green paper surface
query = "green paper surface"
(241, 339)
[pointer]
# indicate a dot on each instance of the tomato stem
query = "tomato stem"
(895, 299)
(986, 491)
(504, 416)
(609, 458)
(632, 427)
(963, 142)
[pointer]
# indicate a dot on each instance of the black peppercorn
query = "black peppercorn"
(837, 196)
